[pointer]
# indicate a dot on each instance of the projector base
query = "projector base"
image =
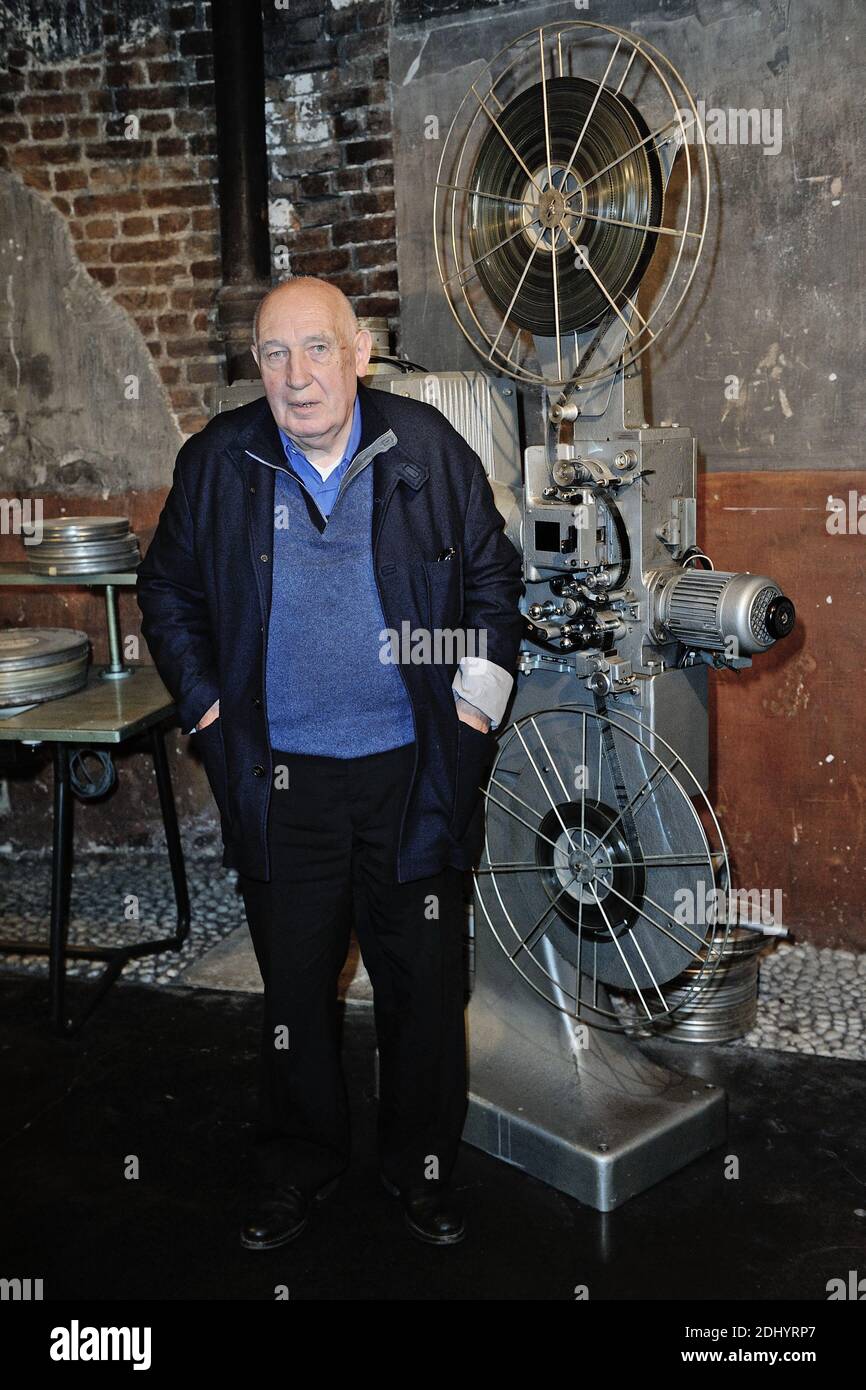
(582, 1110)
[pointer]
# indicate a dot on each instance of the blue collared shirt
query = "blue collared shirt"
(324, 490)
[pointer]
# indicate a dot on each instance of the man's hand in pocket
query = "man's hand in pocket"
(209, 717)
(470, 714)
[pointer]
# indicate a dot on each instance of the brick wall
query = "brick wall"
(328, 112)
(142, 211)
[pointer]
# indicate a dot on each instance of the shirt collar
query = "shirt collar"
(296, 456)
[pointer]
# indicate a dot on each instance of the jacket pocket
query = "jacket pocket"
(445, 590)
(475, 755)
(209, 742)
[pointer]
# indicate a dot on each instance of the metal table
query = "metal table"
(118, 703)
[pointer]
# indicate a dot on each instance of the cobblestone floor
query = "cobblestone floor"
(118, 900)
(811, 1000)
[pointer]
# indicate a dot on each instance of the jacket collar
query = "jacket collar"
(259, 441)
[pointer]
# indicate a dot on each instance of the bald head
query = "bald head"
(307, 288)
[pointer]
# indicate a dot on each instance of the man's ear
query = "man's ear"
(363, 350)
(254, 350)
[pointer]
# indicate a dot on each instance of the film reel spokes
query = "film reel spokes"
(551, 200)
(600, 862)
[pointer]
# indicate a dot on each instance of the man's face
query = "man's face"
(310, 362)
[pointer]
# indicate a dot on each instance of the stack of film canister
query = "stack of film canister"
(41, 663)
(728, 1006)
(46, 663)
(84, 545)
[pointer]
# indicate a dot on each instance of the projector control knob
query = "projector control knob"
(599, 683)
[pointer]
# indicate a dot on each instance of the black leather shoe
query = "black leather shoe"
(431, 1211)
(278, 1213)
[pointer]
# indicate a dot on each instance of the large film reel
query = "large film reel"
(545, 205)
(551, 201)
(600, 862)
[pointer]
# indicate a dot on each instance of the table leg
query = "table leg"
(172, 832)
(61, 875)
(57, 948)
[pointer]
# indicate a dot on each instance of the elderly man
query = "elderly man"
(302, 535)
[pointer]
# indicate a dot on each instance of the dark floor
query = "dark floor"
(165, 1075)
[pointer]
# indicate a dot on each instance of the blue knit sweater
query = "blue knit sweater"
(327, 690)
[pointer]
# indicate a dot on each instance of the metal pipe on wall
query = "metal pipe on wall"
(239, 85)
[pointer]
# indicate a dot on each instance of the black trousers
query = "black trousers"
(333, 838)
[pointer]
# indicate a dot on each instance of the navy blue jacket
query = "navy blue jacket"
(204, 590)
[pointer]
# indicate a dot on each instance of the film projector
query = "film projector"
(569, 214)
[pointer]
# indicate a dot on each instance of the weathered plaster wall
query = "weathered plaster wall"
(83, 411)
